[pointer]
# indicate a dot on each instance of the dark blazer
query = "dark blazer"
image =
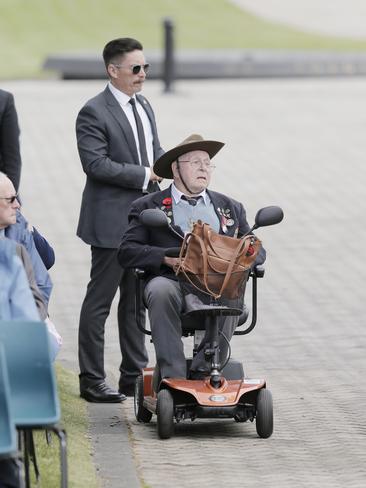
(10, 160)
(145, 248)
(44, 249)
(110, 160)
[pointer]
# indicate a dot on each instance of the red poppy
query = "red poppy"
(167, 202)
(250, 250)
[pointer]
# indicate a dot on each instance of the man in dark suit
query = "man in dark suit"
(10, 160)
(118, 142)
(184, 202)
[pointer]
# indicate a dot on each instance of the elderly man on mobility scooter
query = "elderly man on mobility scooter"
(185, 202)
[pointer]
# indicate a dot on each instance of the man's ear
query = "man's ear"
(112, 71)
(175, 170)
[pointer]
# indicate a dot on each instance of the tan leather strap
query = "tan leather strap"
(232, 262)
(204, 260)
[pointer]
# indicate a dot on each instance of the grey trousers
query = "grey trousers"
(165, 303)
(106, 276)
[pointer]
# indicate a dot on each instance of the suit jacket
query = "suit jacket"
(145, 248)
(114, 177)
(10, 160)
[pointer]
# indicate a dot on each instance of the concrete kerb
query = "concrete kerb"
(111, 434)
(222, 64)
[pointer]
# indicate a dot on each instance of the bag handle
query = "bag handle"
(245, 241)
(232, 262)
(242, 248)
(204, 259)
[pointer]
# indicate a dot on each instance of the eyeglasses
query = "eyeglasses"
(10, 199)
(135, 68)
(198, 164)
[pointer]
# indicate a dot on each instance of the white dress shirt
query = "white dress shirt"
(123, 101)
(177, 195)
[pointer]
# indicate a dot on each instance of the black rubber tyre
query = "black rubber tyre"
(264, 415)
(142, 414)
(165, 413)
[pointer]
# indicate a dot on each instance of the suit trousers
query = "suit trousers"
(165, 304)
(106, 276)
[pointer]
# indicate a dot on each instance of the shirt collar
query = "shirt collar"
(121, 97)
(177, 195)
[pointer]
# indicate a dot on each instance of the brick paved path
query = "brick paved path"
(299, 144)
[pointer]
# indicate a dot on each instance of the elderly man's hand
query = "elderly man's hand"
(171, 262)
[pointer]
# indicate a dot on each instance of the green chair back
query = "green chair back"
(7, 427)
(33, 394)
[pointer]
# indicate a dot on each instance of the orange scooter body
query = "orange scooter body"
(201, 392)
(229, 393)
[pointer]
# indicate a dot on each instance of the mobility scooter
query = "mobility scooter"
(225, 392)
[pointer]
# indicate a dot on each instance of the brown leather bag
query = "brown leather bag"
(216, 264)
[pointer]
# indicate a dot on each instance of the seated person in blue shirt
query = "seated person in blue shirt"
(15, 227)
(184, 202)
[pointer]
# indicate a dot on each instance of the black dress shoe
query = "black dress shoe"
(128, 391)
(102, 393)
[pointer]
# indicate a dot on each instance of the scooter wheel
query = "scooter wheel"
(165, 413)
(142, 414)
(264, 415)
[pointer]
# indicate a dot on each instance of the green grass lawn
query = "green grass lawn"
(81, 471)
(32, 29)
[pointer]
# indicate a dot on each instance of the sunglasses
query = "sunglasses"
(135, 68)
(10, 199)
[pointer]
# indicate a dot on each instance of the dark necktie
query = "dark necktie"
(191, 200)
(140, 133)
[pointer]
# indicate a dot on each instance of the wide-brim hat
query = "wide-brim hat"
(195, 142)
